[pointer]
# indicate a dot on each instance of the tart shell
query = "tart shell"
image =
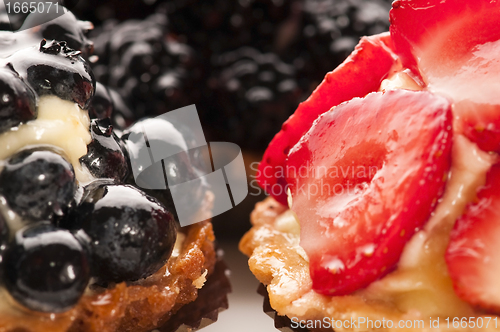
(136, 306)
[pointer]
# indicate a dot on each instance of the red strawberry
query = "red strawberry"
(359, 75)
(364, 177)
(473, 254)
(454, 46)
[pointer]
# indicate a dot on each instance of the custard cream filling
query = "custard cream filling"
(60, 123)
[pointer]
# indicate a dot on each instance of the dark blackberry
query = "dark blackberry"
(17, 100)
(331, 30)
(152, 72)
(130, 234)
(55, 69)
(46, 268)
(256, 93)
(105, 157)
(206, 25)
(217, 26)
(173, 170)
(98, 11)
(38, 184)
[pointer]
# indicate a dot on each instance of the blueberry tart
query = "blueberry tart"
(82, 247)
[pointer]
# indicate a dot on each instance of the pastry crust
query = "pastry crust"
(136, 306)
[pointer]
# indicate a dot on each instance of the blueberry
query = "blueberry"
(38, 184)
(176, 169)
(55, 69)
(46, 268)
(69, 29)
(17, 101)
(131, 234)
(101, 106)
(105, 157)
(107, 103)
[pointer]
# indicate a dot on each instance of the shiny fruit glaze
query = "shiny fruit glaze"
(356, 180)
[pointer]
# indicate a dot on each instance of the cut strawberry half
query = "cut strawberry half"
(364, 177)
(473, 254)
(361, 73)
(454, 46)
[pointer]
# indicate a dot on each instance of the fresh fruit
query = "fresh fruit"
(332, 28)
(105, 157)
(472, 255)
(107, 103)
(101, 106)
(451, 45)
(130, 234)
(256, 92)
(38, 184)
(171, 170)
(46, 268)
(360, 74)
(65, 28)
(149, 70)
(357, 178)
(17, 100)
(55, 69)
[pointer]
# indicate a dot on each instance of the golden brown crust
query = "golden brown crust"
(138, 306)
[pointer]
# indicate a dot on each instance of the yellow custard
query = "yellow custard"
(59, 123)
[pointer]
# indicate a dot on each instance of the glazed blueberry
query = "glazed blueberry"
(105, 157)
(101, 106)
(63, 28)
(17, 100)
(46, 268)
(170, 171)
(131, 235)
(107, 103)
(55, 69)
(38, 184)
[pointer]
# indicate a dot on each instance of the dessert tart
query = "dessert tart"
(82, 247)
(383, 207)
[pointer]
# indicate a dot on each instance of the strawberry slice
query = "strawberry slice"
(360, 74)
(454, 46)
(364, 177)
(472, 256)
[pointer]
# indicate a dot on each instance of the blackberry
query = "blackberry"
(17, 100)
(256, 93)
(130, 234)
(216, 26)
(105, 157)
(152, 72)
(331, 30)
(38, 184)
(98, 11)
(55, 69)
(46, 268)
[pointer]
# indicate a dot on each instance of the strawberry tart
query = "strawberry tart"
(384, 210)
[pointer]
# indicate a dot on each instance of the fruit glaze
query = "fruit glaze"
(82, 247)
(390, 171)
